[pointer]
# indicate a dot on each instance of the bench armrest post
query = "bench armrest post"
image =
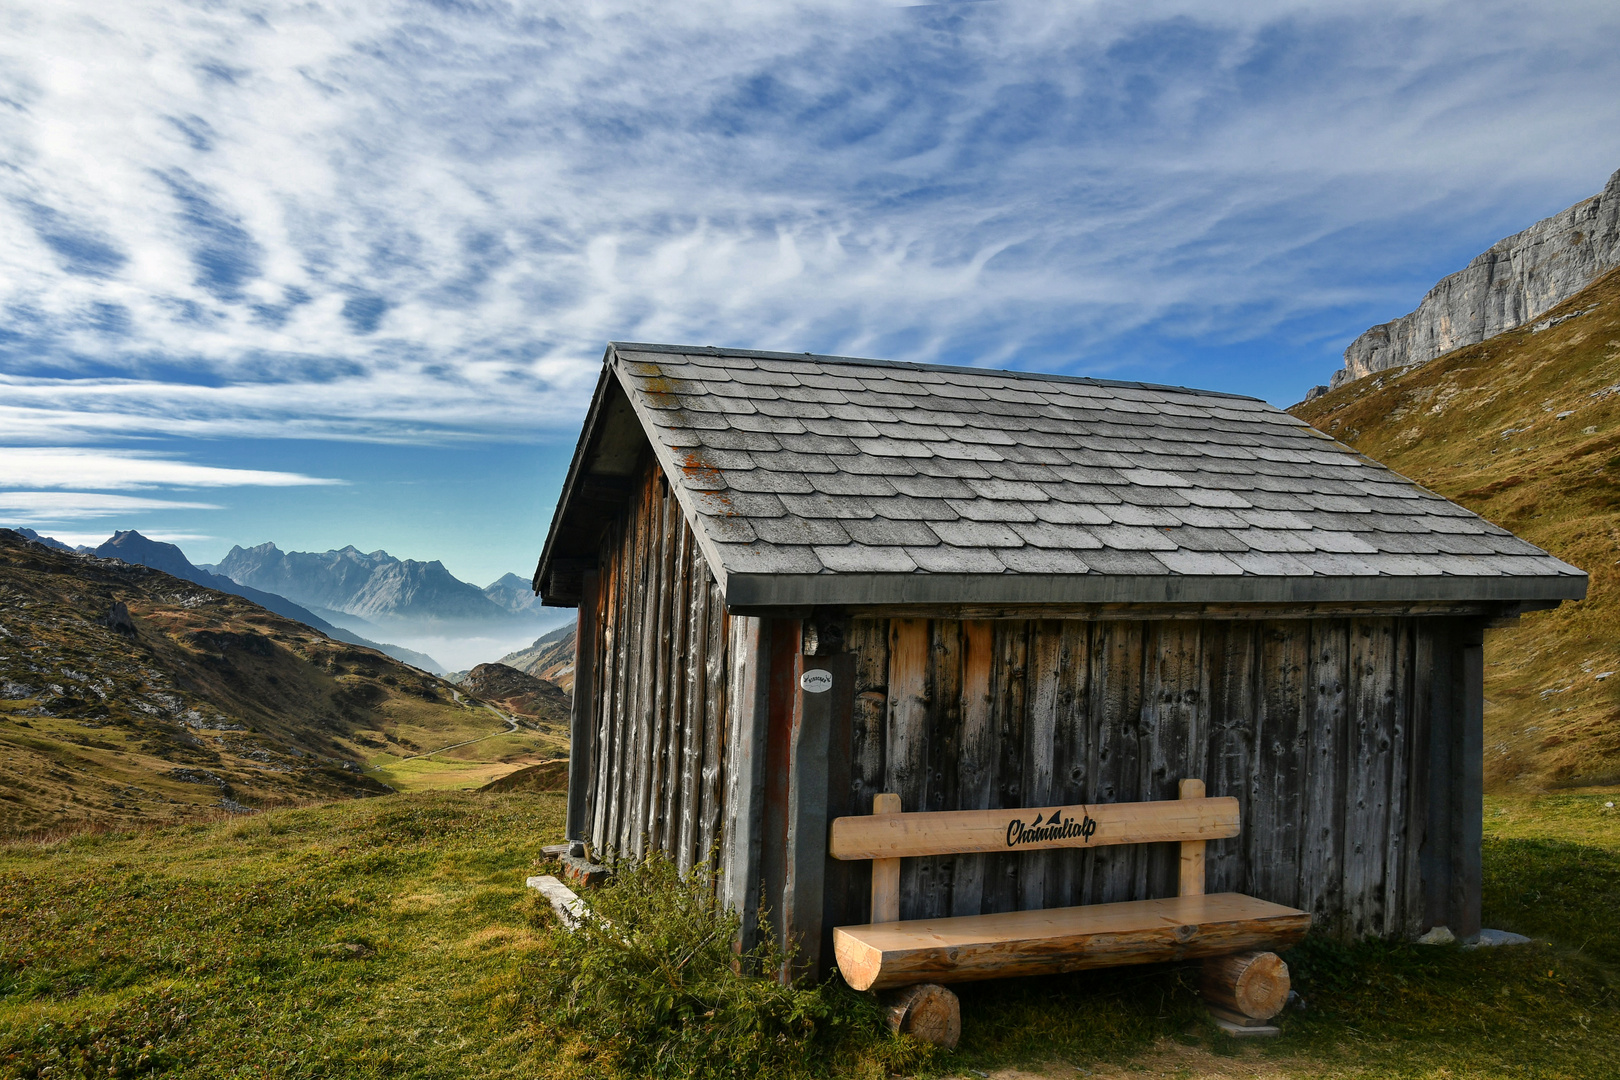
(1192, 851)
(886, 872)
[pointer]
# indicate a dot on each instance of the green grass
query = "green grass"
(393, 937)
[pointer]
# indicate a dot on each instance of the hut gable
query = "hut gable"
(819, 480)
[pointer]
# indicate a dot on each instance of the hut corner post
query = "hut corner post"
(581, 716)
(809, 795)
(1468, 786)
(1450, 852)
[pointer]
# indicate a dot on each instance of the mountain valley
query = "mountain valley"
(129, 694)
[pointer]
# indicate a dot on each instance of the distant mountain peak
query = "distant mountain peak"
(374, 586)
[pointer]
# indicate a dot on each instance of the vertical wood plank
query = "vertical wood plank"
(1040, 736)
(624, 652)
(611, 560)
(1396, 883)
(1420, 729)
(664, 663)
(1172, 678)
(1071, 741)
(718, 689)
(976, 758)
(1367, 773)
(1117, 690)
(868, 641)
(936, 874)
(1009, 694)
(1322, 862)
(906, 730)
(648, 721)
(742, 836)
(1237, 725)
(635, 651)
(694, 701)
(783, 672)
(1279, 784)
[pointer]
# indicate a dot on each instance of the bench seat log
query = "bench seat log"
(887, 953)
(879, 956)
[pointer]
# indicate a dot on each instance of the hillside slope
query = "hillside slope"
(551, 658)
(126, 693)
(1524, 429)
(132, 547)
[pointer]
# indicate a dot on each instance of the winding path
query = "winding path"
(511, 726)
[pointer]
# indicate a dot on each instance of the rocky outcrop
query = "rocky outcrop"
(1507, 286)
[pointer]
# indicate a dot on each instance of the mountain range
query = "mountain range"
(1516, 281)
(376, 586)
(132, 547)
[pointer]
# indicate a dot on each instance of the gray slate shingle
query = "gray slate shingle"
(813, 465)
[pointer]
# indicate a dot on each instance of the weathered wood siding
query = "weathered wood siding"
(1334, 734)
(661, 639)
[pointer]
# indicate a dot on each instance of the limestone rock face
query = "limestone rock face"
(1507, 286)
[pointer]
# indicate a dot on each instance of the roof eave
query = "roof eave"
(747, 591)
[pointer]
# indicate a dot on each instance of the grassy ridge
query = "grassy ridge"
(1524, 429)
(393, 937)
(203, 698)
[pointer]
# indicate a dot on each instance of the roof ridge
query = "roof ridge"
(1034, 376)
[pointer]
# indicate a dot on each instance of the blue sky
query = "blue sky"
(327, 273)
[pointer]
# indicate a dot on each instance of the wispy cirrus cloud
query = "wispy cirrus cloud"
(408, 221)
(43, 507)
(123, 470)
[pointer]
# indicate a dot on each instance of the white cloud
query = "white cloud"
(396, 222)
(42, 507)
(109, 470)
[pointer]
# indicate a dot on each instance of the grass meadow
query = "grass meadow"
(393, 937)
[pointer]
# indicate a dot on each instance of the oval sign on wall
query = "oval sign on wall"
(816, 681)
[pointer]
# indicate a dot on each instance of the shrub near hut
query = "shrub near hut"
(651, 987)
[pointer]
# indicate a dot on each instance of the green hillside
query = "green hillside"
(203, 702)
(1524, 429)
(393, 937)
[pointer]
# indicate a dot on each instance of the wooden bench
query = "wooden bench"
(888, 953)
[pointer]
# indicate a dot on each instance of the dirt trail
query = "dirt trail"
(511, 726)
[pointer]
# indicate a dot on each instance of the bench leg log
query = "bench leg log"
(1245, 989)
(926, 1011)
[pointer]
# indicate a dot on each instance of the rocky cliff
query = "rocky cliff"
(1515, 281)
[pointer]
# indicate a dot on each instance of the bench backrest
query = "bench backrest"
(887, 835)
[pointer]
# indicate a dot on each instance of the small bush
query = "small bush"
(647, 987)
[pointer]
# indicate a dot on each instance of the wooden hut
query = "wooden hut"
(804, 580)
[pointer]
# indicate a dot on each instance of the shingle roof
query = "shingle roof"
(819, 479)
